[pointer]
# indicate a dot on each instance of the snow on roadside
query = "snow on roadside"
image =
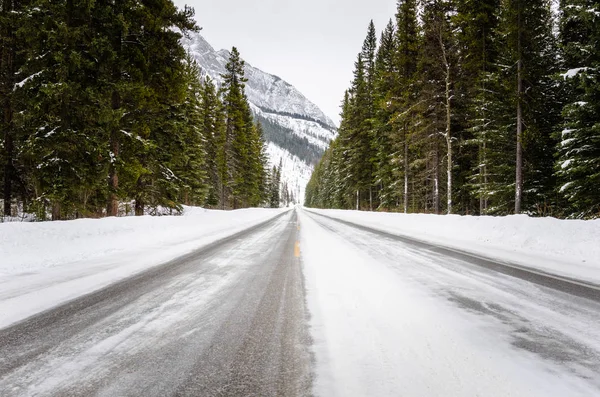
(45, 264)
(568, 248)
(377, 333)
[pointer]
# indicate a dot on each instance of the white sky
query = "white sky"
(312, 44)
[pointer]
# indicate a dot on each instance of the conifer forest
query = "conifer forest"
(472, 107)
(104, 113)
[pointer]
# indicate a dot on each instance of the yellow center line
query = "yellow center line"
(297, 249)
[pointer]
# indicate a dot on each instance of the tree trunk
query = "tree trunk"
(448, 106)
(56, 211)
(139, 207)
(448, 136)
(519, 165)
(436, 180)
(519, 162)
(483, 178)
(113, 177)
(7, 72)
(222, 196)
(8, 165)
(405, 170)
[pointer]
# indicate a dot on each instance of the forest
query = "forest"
(105, 114)
(472, 107)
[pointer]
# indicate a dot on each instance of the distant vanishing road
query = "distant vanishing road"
(233, 319)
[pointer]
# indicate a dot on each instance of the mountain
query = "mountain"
(296, 130)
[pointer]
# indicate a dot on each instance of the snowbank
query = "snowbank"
(44, 264)
(568, 248)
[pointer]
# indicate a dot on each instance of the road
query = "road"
(438, 322)
(304, 305)
(227, 320)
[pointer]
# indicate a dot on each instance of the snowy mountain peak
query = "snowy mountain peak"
(296, 130)
(266, 91)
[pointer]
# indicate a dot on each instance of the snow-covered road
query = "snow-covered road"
(226, 320)
(300, 304)
(392, 319)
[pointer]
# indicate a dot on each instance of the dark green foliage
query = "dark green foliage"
(242, 162)
(578, 162)
(463, 113)
(274, 187)
(212, 132)
(102, 109)
(12, 15)
(526, 42)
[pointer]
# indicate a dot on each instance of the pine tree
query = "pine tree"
(408, 40)
(189, 163)
(63, 102)
(236, 127)
(385, 81)
(528, 50)
(213, 128)
(369, 134)
(13, 13)
(578, 162)
(242, 151)
(438, 69)
(477, 24)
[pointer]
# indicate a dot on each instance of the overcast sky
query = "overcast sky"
(312, 44)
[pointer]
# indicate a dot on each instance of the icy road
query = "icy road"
(308, 305)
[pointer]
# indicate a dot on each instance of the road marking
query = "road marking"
(297, 249)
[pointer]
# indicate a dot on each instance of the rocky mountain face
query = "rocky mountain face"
(296, 130)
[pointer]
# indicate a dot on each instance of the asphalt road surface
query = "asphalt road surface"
(227, 320)
(548, 321)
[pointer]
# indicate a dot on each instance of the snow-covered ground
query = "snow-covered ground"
(45, 264)
(390, 320)
(568, 248)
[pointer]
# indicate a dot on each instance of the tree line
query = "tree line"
(105, 113)
(472, 107)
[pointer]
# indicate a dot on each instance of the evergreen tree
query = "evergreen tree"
(385, 81)
(369, 135)
(528, 50)
(234, 150)
(275, 186)
(161, 59)
(438, 63)
(213, 128)
(471, 91)
(477, 24)
(13, 14)
(405, 92)
(578, 162)
(64, 103)
(189, 163)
